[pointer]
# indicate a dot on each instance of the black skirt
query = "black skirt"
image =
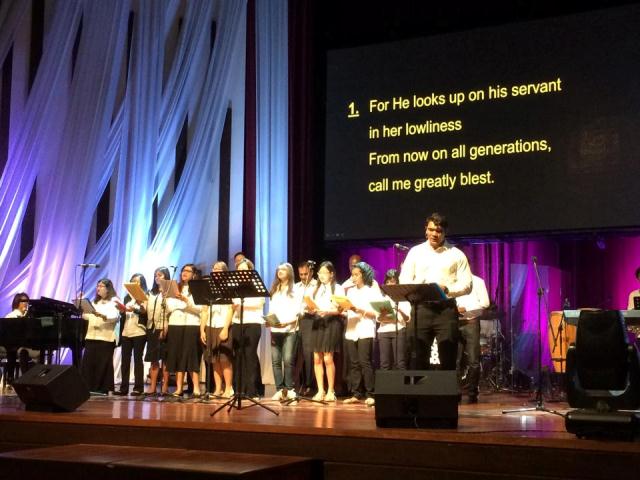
(184, 349)
(216, 348)
(327, 333)
(156, 348)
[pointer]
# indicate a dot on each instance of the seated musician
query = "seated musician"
(635, 293)
(631, 306)
(19, 307)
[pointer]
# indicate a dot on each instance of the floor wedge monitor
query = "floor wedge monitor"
(417, 398)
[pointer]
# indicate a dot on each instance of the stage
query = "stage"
(486, 444)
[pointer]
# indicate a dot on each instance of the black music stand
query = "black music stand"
(239, 284)
(203, 293)
(540, 407)
(414, 293)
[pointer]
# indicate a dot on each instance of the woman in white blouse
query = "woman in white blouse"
(252, 322)
(284, 337)
(100, 341)
(392, 336)
(157, 327)
(133, 338)
(327, 330)
(184, 349)
(216, 335)
(360, 332)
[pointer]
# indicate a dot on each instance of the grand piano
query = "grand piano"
(49, 325)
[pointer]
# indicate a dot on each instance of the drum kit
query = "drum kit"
(492, 342)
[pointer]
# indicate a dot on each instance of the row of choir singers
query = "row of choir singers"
(311, 312)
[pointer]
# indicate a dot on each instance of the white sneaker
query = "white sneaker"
(277, 395)
(291, 394)
(351, 400)
(370, 402)
(318, 397)
(330, 396)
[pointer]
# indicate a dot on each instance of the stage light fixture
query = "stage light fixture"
(603, 378)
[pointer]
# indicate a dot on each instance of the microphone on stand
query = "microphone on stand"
(89, 265)
(534, 259)
(399, 246)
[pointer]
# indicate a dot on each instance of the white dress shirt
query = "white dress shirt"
(252, 311)
(100, 329)
(184, 313)
(132, 327)
(285, 306)
(157, 314)
(219, 314)
(475, 301)
(361, 326)
(301, 290)
(322, 298)
(446, 266)
(403, 308)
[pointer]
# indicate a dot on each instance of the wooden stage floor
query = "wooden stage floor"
(486, 444)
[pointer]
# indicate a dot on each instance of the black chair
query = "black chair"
(603, 377)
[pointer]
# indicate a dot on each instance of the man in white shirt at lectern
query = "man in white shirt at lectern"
(436, 261)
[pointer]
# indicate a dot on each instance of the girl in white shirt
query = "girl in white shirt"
(216, 335)
(97, 361)
(284, 338)
(360, 332)
(157, 327)
(391, 340)
(133, 338)
(327, 330)
(252, 322)
(184, 349)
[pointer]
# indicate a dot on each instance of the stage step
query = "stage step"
(115, 462)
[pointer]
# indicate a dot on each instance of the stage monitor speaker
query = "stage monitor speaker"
(417, 398)
(52, 388)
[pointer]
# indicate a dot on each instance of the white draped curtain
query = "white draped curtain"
(80, 134)
(89, 126)
(271, 148)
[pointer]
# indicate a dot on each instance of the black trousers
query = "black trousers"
(12, 360)
(361, 373)
(469, 354)
(135, 345)
(97, 365)
(437, 320)
(306, 341)
(248, 349)
(393, 354)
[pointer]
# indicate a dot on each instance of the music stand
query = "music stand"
(239, 284)
(540, 407)
(414, 293)
(203, 294)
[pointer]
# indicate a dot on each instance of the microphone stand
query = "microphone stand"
(539, 399)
